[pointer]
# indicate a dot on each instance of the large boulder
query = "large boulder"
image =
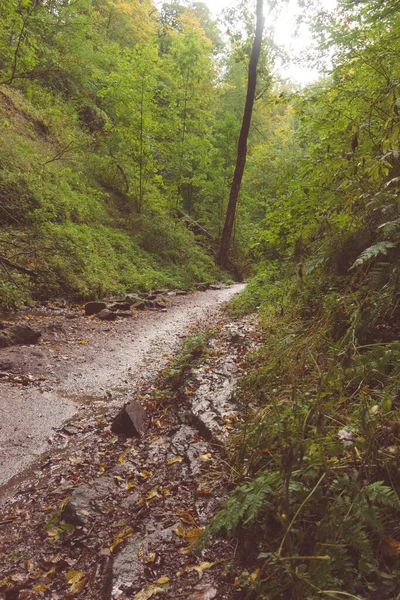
(19, 335)
(92, 308)
(131, 420)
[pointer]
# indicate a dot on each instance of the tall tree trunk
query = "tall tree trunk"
(223, 253)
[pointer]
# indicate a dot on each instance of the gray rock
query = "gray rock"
(87, 501)
(92, 308)
(121, 306)
(139, 304)
(129, 568)
(106, 315)
(19, 335)
(181, 292)
(123, 313)
(202, 287)
(131, 420)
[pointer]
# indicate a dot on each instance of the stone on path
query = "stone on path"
(92, 308)
(19, 335)
(130, 568)
(106, 315)
(131, 420)
(87, 501)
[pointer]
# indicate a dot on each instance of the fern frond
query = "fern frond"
(372, 252)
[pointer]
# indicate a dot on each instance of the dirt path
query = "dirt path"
(82, 364)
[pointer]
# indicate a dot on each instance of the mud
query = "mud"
(82, 364)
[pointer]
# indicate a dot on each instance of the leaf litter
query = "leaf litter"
(173, 474)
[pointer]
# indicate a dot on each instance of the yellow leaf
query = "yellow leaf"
(130, 485)
(205, 457)
(121, 459)
(121, 537)
(39, 588)
(162, 580)
(75, 580)
(152, 494)
(203, 566)
(145, 474)
(177, 459)
(180, 531)
(148, 592)
(83, 341)
(254, 574)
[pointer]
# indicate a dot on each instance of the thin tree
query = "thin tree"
(223, 253)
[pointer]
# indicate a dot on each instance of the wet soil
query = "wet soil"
(83, 365)
(114, 518)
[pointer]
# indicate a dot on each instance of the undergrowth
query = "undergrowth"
(316, 507)
(191, 350)
(79, 236)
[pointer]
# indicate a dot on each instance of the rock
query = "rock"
(130, 567)
(121, 306)
(123, 313)
(19, 335)
(139, 305)
(160, 292)
(131, 420)
(87, 501)
(202, 287)
(131, 298)
(158, 303)
(106, 315)
(92, 308)
(181, 292)
(216, 286)
(71, 315)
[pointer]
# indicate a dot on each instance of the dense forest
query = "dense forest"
(119, 127)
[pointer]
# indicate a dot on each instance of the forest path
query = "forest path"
(83, 364)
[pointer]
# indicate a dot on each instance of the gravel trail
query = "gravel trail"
(85, 365)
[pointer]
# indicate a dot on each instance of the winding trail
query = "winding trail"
(86, 365)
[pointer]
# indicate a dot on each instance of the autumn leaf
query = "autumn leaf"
(203, 567)
(206, 457)
(121, 537)
(177, 459)
(162, 580)
(205, 593)
(148, 592)
(76, 581)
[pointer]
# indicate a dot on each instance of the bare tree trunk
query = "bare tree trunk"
(223, 253)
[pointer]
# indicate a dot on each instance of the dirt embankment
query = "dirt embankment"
(83, 364)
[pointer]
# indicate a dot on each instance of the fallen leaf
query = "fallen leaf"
(177, 459)
(148, 592)
(76, 581)
(204, 593)
(205, 457)
(121, 537)
(204, 491)
(203, 567)
(162, 580)
(392, 546)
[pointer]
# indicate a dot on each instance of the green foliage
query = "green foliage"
(105, 130)
(193, 347)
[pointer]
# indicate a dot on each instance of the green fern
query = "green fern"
(372, 252)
